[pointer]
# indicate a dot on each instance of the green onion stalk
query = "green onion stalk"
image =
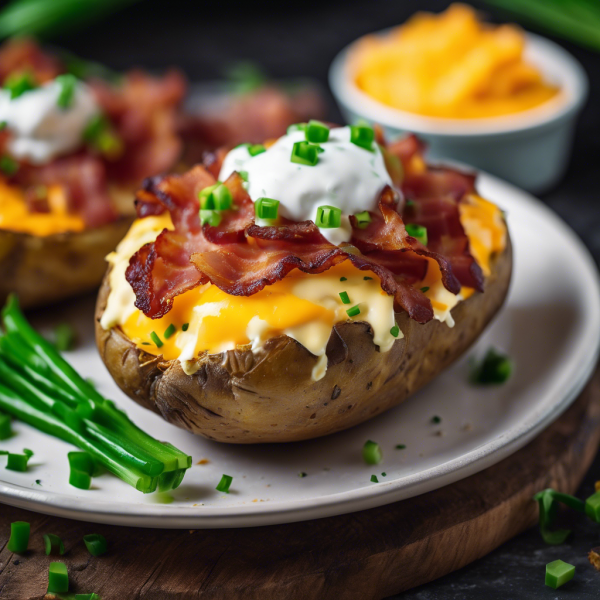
(39, 387)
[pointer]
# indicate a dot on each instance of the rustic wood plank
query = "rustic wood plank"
(366, 555)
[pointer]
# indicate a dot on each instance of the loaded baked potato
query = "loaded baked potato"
(246, 320)
(72, 152)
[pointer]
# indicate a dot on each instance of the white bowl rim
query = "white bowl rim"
(560, 65)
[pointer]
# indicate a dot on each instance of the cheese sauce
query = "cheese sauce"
(346, 176)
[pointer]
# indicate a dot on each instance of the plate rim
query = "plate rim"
(278, 512)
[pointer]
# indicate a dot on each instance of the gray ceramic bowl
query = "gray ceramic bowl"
(530, 148)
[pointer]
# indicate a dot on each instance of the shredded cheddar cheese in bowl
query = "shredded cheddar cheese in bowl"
(451, 66)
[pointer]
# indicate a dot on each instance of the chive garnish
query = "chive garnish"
(424, 289)
(410, 203)
(256, 149)
(344, 297)
(67, 83)
(374, 479)
(157, 341)
(354, 311)
(210, 217)
(548, 505)
(384, 474)
(302, 474)
(53, 544)
(58, 578)
(368, 278)
(19, 83)
(436, 420)
(495, 368)
(224, 484)
(296, 127)
(418, 232)
(146, 344)
(19, 537)
(400, 446)
(9, 166)
(95, 543)
(185, 327)
(17, 462)
(243, 175)
(5, 429)
(362, 219)
(304, 153)
(316, 132)
(38, 482)
(371, 452)
(328, 217)
(395, 330)
(362, 136)
(343, 279)
(169, 331)
(266, 208)
(592, 507)
(558, 573)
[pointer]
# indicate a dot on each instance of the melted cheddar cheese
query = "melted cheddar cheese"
(303, 307)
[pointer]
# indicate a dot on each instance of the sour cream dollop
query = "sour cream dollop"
(42, 130)
(346, 176)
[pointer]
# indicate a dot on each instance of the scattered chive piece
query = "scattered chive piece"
(80, 479)
(222, 197)
(374, 479)
(157, 341)
(9, 166)
(53, 544)
(169, 331)
(343, 279)
(592, 507)
(58, 578)
(418, 232)
(81, 461)
(5, 429)
(207, 200)
(64, 337)
(38, 482)
(548, 506)
(146, 344)
(27, 452)
(266, 208)
(19, 537)
(400, 446)
(255, 149)
(302, 474)
(67, 83)
(3, 125)
(371, 452)
(362, 136)
(436, 420)
(368, 278)
(210, 217)
(224, 484)
(424, 289)
(362, 219)
(17, 462)
(495, 368)
(95, 543)
(354, 311)
(344, 297)
(19, 83)
(558, 573)
(316, 132)
(395, 330)
(185, 327)
(296, 127)
(328, 217)
(304, 153)
(99, 134)
(3, 452)
(243, 175)
(384, 474)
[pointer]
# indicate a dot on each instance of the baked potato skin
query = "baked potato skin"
(43, 270)
(244, 398)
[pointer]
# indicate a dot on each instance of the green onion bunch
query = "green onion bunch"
(40, 388)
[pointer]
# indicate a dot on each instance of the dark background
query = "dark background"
(291, 39)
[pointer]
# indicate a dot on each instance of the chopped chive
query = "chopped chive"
(19, 537)
(38, 482)
(207, 200)
(256, 149)
(304, 153)
(374, 479)
(210, 217)
(343, 279)
(67, 83)
(65, 337)
(99, 134)
(17, 462)
(58, 578)
(80, 479)
(157, 341)
(316, 132)
(19, 83)
(328, 217)
(3, 125)
(266, 208)
(410, 203)
(302, 474)
(424, 289)
(371, 452)
(344, 297)
(395, 330)
(146, 344)
(222, 197)
(418, 232)
(592, 507)
(384, 474)
(243, 175)
(548, 504)
(558, 573)
(169, 331)
(81, 461)
(362, 136)
(400, 446)
(495, 368)
(5, 429)
(185, 327)
(3, 452)
(363, 219)
(53, 544)
(436, 420)
(368, 278)
(354, 311)
(224, 484)
(95, 543)
(296, 127)
(27, 452)
(9, 166)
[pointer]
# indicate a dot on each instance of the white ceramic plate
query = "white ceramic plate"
(549, 326)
